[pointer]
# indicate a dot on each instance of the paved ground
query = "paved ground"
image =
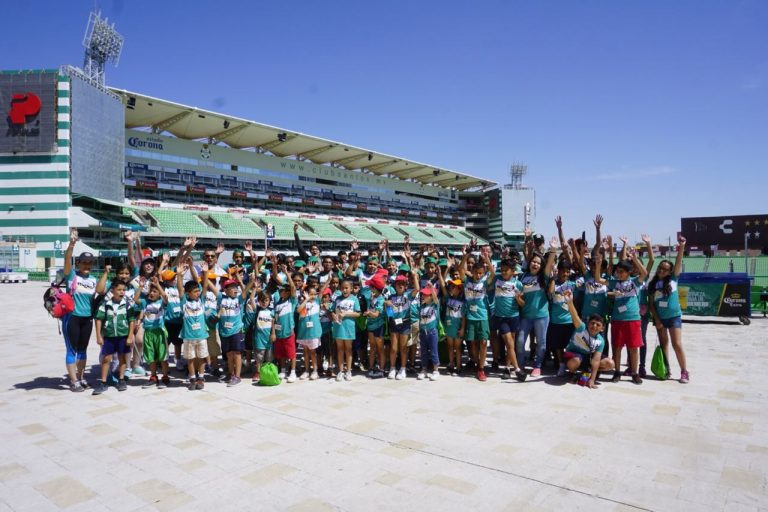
(384, 445)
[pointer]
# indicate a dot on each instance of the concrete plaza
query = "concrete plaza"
(384, 445)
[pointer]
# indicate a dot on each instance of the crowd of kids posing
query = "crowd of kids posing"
(374, 311)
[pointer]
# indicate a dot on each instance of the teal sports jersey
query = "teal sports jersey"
(309, 327)
(82, 290)
(428, 316)
(262, 332)
(231, 320)
(376, 304)
(535, 295)
(667, 306)
(626, 305)
(284, 317)
(401, 306)
(578, 291)
(116, 318)
(582, 343)
(504, 292)
(345, 330)
(595, 299)
(173, 308)
(194, 326)
(154, 313)
(414, 310)
(558, 308)
(454, 312)
(211, 308)
(476, 298)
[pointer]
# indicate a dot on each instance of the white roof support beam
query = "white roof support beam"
(167, 123)
(228, 133)
(307, 155)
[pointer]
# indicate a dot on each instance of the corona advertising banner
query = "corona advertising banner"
(714, 294)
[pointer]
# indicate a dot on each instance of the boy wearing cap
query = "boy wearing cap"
(429, 313)
(455, 321)
(230, 307)
(476, 296)
(194, 331)
(398, 308)
(375, 325)
(152, 317)
(625, 317)
(78, 324)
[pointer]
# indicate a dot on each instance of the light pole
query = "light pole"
(747, 234)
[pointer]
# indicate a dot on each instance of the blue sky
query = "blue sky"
(643, 111)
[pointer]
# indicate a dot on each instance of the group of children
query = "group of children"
(375, 311)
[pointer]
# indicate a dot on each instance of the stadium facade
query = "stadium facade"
(106, 160)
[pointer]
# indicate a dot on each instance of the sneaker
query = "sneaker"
(616, 376)
(314, 375)
(76, 387)
(84, 383)
(325, 366)
(137, 371)
(401, 374)
(481, 375)
(348, 376)
(536, 372)
(151, 382)
(291, 377)
(200, 384)
(684, 377)
(99, 389)
(163, 383)
(642, 372)
(520, 375)
(392, 373)
(256, 378)
(433, 376)
(507, 373)
(128, 372)
(339, 376)
(234, 381)
(636, 379)
(361, 366)
(192, 385)
(378, 374)
(281, 375)
(122, 385)
(304, 375)
(455, 370)
(112, 380)
(421, 376)
(561, 372)
(370, 373)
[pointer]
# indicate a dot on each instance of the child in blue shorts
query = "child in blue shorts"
(115, 322)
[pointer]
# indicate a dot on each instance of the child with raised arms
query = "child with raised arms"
(585, 348)
(429, 316)
(309, 331)
(194, 331)
(454, 316)
(476, 286)
(230, 306)
(152, 317)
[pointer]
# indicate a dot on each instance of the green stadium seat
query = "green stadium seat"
(181, 222)
(237, 227)
(325, 229)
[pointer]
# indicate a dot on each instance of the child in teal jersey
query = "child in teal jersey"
(231, 328)
(454, 321)
(429, 316)
(327, 348)
(476, 300)
(115, 322)
(560, 328)
(262, 315)
(534, 316)
(194, 330)
(152, 317)
(398, 312)
(625, 315)
(664, 303)
(309, 331)
(585, 347)
(375, 325)
(344, 310)
(507, 300)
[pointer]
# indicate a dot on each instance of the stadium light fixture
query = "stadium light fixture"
(282, 137)
(102, 44)
(226, 124)
(436, 172)
(370, 156)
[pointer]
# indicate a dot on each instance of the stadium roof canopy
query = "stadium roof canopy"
(192, 123)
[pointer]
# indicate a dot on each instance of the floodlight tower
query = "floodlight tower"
(102, 44)
(516, 173)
